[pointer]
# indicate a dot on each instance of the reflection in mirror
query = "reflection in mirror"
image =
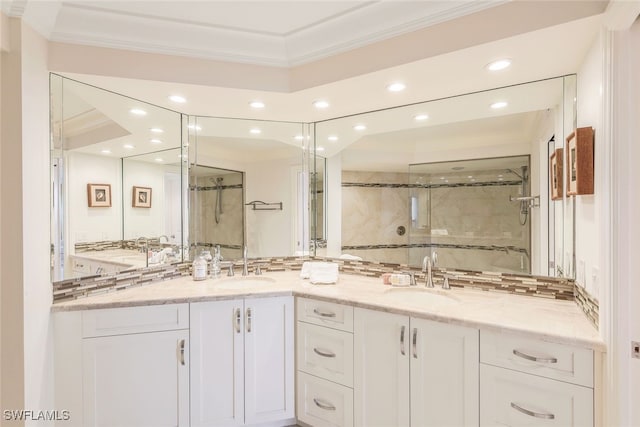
(216, 200)
(270, 158)
(318, 204)
(96, 226)
(385, 160)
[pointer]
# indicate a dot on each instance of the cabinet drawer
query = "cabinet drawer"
(509, 398)
(329, 314)
(556, 361)
(325, 352)
(323, 403)
(132, 320)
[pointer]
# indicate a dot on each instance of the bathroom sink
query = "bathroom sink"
(420, 296)
(239, 282)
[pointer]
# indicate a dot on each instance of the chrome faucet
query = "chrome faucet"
(245, 269)
(145, 246)
(160, 239)
(426, 268)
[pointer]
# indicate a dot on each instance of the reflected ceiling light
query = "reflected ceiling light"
(332, 138)
(321, 104)
(319, 148)
(178, 99)
(396, 87)
(194, 127)
(138, 112)
(159, 159)
(128, 146)
(498, 65)
(256, 104)
(420, 117)
(500, 179)
(156, 130)
(500, 176)
(470, 176)
(442, 177)
(255, 131)
(498, 105)
(105, 151)
(298, 137)
(155, 141)
(359, 127)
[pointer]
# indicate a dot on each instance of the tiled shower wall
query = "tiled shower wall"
(472, 227)
(205, 232)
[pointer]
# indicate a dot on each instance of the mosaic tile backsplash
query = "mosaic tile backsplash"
(534, 286)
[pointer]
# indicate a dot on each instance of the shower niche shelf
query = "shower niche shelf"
(258, 205)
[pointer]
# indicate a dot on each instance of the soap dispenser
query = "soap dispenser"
(199, 268)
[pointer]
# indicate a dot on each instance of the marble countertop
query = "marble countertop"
(540, 318)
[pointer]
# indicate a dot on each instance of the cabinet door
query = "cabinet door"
(381, 368)
(269, 359)
(444, 374)
(217, 363)
(136, 380)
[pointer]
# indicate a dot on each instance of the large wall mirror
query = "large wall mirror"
(248, 187)
(118, 182)
(463, 179)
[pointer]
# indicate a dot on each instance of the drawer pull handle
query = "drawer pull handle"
(323, 405)
(324, 313)
(237, 320)
(181, 345)
(535, 359)
(531, 413)
(323, 353)
(248, 320)
(415, 341)
(402, 340)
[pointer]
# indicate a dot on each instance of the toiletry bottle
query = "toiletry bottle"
(215, 263)
(199, 268)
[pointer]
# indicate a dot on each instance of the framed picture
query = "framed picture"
(99, 195)
(555, 174)
(141, 197)
(580, 162)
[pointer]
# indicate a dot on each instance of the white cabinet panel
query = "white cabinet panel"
(136, 380)
(444, 374)
(551, 360)
(217, 363)
(322, 403)
(510, 398)
(130, 320)
(381, 369)
(337, 316)
(325, 352)
(269, 359)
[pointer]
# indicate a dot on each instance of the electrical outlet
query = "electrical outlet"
(635, 349)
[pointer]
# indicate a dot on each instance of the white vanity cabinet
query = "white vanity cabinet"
(242, 366)
(324, 342)
(414, 372)
(124, 366)
(527, 382)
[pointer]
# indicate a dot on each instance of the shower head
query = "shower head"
(217, 180)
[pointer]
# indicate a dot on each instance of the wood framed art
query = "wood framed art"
(99, 195)
(141, 197)
(555, 174)
(580, 162)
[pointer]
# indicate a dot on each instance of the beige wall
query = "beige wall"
(11, 279)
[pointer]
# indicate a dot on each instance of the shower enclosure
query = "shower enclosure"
(217, 210)
(474, 214)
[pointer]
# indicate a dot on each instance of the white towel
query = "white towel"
(323, 273)
(351, 257)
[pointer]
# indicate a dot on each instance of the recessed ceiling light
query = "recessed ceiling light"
(498, 65)
(500, 179)
(155, 141)
(319, 148)
(106, 151)
(396, 87)
(470, 176)
(159, 159)
(128, 146)
(498, 105)
(420, 117)
(194, 127)
(442, 177)
(320, 104)
(359, 127)
(255, 131)
(138, 112)
(500, 176)
(332, 138)
(256, 104)
(156, 130)
(298, 138)
(177, 98)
